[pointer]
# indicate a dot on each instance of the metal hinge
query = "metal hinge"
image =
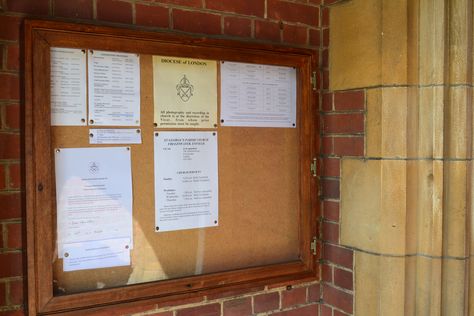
(313, 167)
(313, 246)
(314, 81)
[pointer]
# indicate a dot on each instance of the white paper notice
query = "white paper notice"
(258, 95)
(114, 88)
(68, 86)
(115, 136)
(94, 195)
(186, 182)
(96, 254)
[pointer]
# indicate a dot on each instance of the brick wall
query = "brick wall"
(302, 23)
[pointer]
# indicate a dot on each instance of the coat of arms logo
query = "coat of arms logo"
(94, 167)
(185, 89)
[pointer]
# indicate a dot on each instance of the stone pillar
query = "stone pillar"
(406, 205)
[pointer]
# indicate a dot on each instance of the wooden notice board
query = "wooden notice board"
(267, 197)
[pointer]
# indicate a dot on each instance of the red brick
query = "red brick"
(37, 7)
(326, 37)
(114, 11)
(151, 15)
(314, 37)
(330, 232)
(330, 188)
(338, 313)
(16, 292)
(327, 2)
(10, 29)
(3, 182)
(337, 298)
(326, 310)
(325, 79)
(327, 145)
(331, 210)
(349, 100)
(325, 18)
(2, 53)
(295, 34)
(267, 31)
(294, 296)
(326, 273)
(196, 22)
(11, 265)
(238, 307)
(10, 148)
(9, 87)
(14, 236)
(2, 245)
(349, 146)
(13, 57)
(293, 12)
(162, 314)
(10, 205)
(3, 294)
(14, 181)
(205, 310)
(325, 58)
(184, 3)
(343, 278)
(266, 302)
(237, 26)
(18, 312)
(331, 167)
(310, 310)
(77, 9)
(343, 123)
(12, 116)
(315, 1)
(338, 255)
(254, 7)
(314, 293)
(327, 102)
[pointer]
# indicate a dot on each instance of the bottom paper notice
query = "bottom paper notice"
(96, 254)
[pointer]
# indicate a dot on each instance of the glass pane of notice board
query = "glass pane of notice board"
(169, 163)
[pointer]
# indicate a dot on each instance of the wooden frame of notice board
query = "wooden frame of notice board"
(301, 143)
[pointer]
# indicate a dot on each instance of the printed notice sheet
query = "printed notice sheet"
(114, 88)
(258, 95)
(115, 136)
(96, 254)
(94, 199)
(186, 183)
(68, 86)
(184, 92)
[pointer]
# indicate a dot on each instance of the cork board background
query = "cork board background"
(258, 206)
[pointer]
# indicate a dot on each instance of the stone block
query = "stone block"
(373, 205)
(455, 208)
(377, 36)
(379, 284)
(387, 113)
(424, 222)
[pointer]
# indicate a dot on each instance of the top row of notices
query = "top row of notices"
(185, 91)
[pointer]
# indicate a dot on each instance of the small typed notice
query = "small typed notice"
(186, 180)
(114, 88)
(115, 136)
(255, 95)
(94, 204)
(68, 87)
